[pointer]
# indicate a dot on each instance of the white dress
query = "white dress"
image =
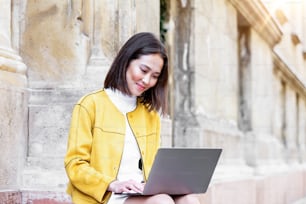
(131, 155)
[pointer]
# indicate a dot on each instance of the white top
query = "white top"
(129, 163)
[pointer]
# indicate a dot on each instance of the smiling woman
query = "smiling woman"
(115, 132)
(142, 74)
(146, 53)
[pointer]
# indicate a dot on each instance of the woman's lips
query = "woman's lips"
(140, 87)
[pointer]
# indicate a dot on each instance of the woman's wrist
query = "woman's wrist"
(111, 186)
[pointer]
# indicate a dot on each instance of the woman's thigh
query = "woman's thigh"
(159, 198)
(187, 199)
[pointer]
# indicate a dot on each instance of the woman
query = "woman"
(115, 132)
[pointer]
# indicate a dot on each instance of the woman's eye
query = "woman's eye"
(143, 70)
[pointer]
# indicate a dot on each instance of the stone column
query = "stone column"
(13, 100)
(9, 59)
(302, 131)
(263, 147)
(278, 109)
(98, 25)
(186, 128)
(278, 118)
(55, 44)
(126, 19)
(261, 85)
(151, 24)
(291, 131)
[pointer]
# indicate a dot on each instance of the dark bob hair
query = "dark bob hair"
(138, 45)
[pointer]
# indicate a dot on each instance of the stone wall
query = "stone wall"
(239, 79)
(52, 53)
(14, 100)
(68, 47)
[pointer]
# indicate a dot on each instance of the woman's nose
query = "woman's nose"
(146, 79)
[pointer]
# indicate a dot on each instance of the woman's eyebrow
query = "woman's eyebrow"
(144, 65)
(149, 68)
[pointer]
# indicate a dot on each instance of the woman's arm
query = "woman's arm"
(77, 160)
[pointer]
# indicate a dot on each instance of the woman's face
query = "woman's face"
(143, 73)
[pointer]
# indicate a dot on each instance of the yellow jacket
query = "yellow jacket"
(95, 145)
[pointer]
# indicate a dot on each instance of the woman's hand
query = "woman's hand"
(126, 186)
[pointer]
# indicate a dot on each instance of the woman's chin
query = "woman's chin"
(137, 92)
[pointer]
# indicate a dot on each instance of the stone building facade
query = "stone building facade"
(238, 81)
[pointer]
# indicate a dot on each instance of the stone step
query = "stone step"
(44, 179)
(33, 197)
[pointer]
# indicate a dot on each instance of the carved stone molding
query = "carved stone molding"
(92, 27)
(295, 39)
(289, 75)
(281, 17)
(11, 62)
(260, 19)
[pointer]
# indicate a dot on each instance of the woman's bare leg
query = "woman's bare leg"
(155, 199)
(187, 199)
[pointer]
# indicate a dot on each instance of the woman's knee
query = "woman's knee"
(162, 199)
(159, 198)
(187, 199)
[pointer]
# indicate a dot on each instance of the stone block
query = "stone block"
(34, 197)
(48, 129)
(281, 188)
(10, 197)
(13, 128)
(45, 197)
(233, 191)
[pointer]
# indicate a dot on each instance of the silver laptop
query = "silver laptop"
(179, 171)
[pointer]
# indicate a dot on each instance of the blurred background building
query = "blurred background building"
(238, 81)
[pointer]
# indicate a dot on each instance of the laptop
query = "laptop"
(179, 171)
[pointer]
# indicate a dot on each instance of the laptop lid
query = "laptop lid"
(178, 171)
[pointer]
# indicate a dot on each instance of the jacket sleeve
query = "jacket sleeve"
(77, 160)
